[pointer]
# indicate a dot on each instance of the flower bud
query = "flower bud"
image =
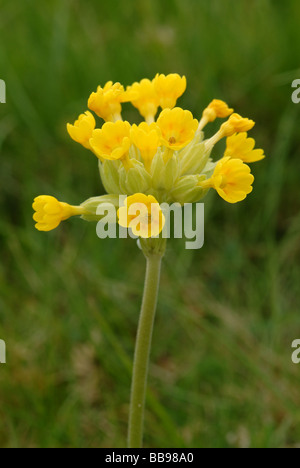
(187, 190)
(164, 174)
(109, 173)
(195, 160)
(135, 180)
(91, 206)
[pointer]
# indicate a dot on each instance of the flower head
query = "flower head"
(82, 129)
(147, 138)
(142, 95)
(177, 127)
(112, 141)
(232, 179)
(215, 109)
(171, 158)
(142, 214)
(239, 146)
(49, 212)
(106, 102)
(169, 88)
(236, 124)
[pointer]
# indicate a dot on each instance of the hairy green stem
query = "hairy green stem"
(142, 351)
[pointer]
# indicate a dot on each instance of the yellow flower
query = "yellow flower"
(82, 129)
(236, 124)
(147, 138)
(112, 141)
(215, 109)
(169, 88)
(142, 214)
(177, 127)
(232, 179)
(143, 96)
(240, 147)
(106, 102)
(49, 212)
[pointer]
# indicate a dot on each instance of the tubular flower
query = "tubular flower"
(142, 95)
(240, 147)
(178, 127)
(147, 138)
(215, 109)
(82, 129)
(112, 142)
(236, 124)
(169, 88)
(232, 179)
(106, 102)
(49, 212)
(142, 214)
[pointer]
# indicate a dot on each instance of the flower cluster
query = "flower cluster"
(166, 158)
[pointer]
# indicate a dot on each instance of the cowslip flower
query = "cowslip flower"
(236, 123)
(178, 127)
(142, 95)
(106, 102)
(232, 179)
(170, 158)
(169, 88)
(112, 141)
(82, 129)
(147, 138)
(143, 215)
(216, 109)
(49, 212)
(241, 147)
(159, 162)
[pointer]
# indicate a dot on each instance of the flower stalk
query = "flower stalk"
(143, 347)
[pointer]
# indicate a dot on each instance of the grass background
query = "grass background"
(221, 373)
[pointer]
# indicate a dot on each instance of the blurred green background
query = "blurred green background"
(221, 372)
